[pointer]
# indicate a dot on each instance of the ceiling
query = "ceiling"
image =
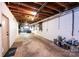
(31, 12)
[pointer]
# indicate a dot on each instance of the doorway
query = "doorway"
(5, 34)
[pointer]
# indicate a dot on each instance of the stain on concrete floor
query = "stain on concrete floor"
(35, 46)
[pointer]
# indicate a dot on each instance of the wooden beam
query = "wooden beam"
(48, 6)
(23, 13)
(20, 12)
(46, 10)
(16, 13)
(44, 14)
(32, 7)
(62, 4)
(39, 16)
(22, 4)
(18, 8)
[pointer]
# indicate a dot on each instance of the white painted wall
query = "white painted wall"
(64, 28)
(0, 33)
(53, 28)
(13, 25)
(76, 30)
(50, 29)
(66, 25)
(13, 31)
(45, 29)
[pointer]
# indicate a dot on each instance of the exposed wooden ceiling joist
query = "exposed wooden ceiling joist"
(63, 5)
(49, 6)
(34, 8)
(23, 11)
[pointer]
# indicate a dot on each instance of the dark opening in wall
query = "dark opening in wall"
(40, 26)
(0, 25)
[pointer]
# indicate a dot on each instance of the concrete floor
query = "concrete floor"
(35, 46)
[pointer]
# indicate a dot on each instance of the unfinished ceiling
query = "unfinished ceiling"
(31, 12)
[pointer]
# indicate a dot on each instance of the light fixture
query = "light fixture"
(34, 13)
(33, 18)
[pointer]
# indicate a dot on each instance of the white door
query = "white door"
(5, 34)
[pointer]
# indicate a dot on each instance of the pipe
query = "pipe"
(72, 22)
(40, 9)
